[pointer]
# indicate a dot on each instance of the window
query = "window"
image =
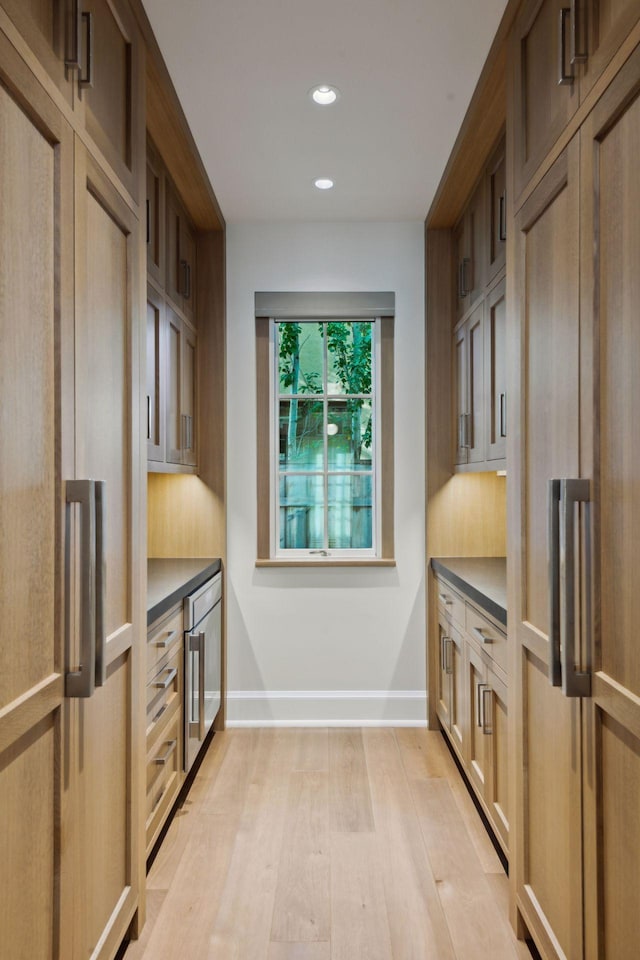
(325, 429)
(324, 437)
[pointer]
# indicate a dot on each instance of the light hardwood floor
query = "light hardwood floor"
(308, 844)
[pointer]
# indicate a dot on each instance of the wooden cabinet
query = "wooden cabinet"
(496, 205)
(180, 255)
(92, 50)
(472, 700)
(495, 372)
(165, 720)
(471, 251)
(470, 389)
(70, 786)
(558, 52)
(172, 371)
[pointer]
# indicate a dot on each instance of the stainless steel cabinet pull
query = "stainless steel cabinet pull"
(482, 635)
(148, 221)
(487, 726)
(148, 417)
(101, 582)
(467, 442)
(502, 219)
(184, 431)
(172, 673)
(163, 759)
(555, 667)
(564, 78)
(449, 655)
(168, 640)
(576, 55)
(574, 683)
(74, 38)
(186, 279)
(479, 704)
(464, 286)
(445, 599)
(81, 682)
(86, 79)
(503, 414)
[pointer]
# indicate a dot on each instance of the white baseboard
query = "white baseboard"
(326, 708)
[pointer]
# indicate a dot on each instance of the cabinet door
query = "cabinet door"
(36, 457)
(111, 83)
(187, 263)
(496, 203)
(189, 395)
(475, 386)
(155, 216)
(51, 30)
(496, 372)
(174, 371)
(173, 272)
(602, 26)
(474, 278)
(460, 247)
(458, 706)
(478, 744)
(610, 332)
(104, 777)
(544, 444)
(155, 393)
(460, 419)
(542, 106)
(444, 675)
(496, 730)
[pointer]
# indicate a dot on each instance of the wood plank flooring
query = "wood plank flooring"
(307, 844)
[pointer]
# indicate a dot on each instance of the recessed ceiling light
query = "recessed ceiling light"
(323, 183)
(324, 94)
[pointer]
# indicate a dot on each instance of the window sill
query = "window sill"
(329, 562)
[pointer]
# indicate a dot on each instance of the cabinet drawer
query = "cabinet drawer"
(485, 633)
(163, 777)
(450, 603)
(163, 639)
(164, 692)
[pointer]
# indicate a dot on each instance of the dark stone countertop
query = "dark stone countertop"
(171, 580)
(482, 579)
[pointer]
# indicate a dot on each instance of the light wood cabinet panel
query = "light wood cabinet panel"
(471, 247)
(180, 279)
(36, 455)
(496, 202)
(444, 683)
(602, 25)
(546, 445)
(155, 395)
(495, 338)
(497, 784)
(542, 105)
(610, 407)
(478, 752)
(189, 395)
(173, 410)
(48, 28)
(460, 391)
(112, 98)
(156, 218)
(475, 438)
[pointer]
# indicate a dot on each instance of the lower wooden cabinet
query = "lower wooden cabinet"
(165, 720)
(472, 700)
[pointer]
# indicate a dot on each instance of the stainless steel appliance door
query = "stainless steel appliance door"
(202, 681)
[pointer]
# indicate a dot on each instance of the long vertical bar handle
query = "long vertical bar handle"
(574, 683)
(81, 682)
(148, 417)
(553, 553)
(479, 717)
(184, 267)
(502, 218)
(564, 78)
(466, 262)
(202, 666)
(503, 414)
(74, 37)
(487, 726)
(576, 54)
(101, 582)
(85, 78)
(449, 656)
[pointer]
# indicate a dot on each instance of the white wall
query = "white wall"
(341, 645)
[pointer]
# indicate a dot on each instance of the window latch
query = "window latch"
(321, 553)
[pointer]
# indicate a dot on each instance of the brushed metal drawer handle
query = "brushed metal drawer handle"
(165, 757)
(172, 673)
(168, 640)
(482, 635)
(445, 599)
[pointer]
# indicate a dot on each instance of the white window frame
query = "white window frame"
(325, 554)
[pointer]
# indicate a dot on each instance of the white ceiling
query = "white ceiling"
(406, 70)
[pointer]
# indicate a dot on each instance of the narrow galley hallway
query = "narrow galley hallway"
(327, 844)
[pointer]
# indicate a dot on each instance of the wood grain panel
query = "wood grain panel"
(359, 924)
(185, 517)
(302, 903)
(349, 792)
(467, 517)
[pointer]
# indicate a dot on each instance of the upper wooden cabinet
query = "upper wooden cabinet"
(496, 204)
(471, 252)
(495, 371)
(92, 50)
(155, 216)
(558, 51)
(180, 255)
